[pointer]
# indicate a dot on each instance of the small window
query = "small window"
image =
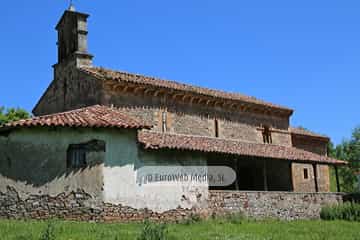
(216, 128)
(306, 173)
(78, 154)
(76, 157)
(164, 121)
(267, 135)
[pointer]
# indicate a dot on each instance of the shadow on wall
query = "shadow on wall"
(38, 164)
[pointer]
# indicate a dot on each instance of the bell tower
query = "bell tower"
(72, 39)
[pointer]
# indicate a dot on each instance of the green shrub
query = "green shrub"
(194, 218)
(152, 231)
(49, 232)
(346, 211)
(235, 218)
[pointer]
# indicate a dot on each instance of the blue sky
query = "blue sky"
(301, 54)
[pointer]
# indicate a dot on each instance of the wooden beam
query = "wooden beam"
(184, 97)
(316, 177)
(156, 93)
(337, 179)
(265, 176)
(147, 91)
(226, 104)
(242, 107)
(217, 104)
(110, 83)
(118, 87)
(291, 177)
(200, 100)
(136, 90)
(176, 96)
(125, 89)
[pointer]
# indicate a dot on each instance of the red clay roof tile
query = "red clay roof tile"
(94, 116)
(108, 74)
(305, 132)
(155, 140)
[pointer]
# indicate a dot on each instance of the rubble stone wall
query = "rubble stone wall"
(78, 206)
(281, 205)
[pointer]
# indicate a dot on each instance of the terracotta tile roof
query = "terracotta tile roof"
(156, 140)
(103, 73)
(94, 116)
(305, 132)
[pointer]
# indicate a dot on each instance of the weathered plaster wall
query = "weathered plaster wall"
(126, 164)
(34, 162)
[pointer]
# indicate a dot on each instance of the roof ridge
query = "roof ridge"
(172, 81)
(96, 71)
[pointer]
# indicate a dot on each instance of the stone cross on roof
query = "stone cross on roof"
(71, 6)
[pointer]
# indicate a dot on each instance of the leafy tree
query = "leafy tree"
(349, 151)
(12, 114)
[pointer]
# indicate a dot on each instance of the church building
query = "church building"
(96, 133)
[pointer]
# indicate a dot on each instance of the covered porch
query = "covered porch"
(258, 167)
(265, 174)
(254, 174)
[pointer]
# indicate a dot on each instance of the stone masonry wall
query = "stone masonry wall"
(310, 144)
(195, 119)
(301, 184)
(287, 206)
(70, 89)
(78, 206)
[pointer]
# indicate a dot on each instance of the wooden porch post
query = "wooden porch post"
(292, 187)
(237, 184)
(315, 178)
(265, 176)
(337, 178)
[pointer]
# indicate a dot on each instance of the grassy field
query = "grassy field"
(214, 229)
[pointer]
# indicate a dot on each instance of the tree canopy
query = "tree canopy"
(12, 114)
(348, 150)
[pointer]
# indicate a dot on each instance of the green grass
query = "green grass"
(203, 230)
(346, 211)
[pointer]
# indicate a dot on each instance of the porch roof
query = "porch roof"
(156, 140)
(91, 117)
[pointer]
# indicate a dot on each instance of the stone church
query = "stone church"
(95, 130)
